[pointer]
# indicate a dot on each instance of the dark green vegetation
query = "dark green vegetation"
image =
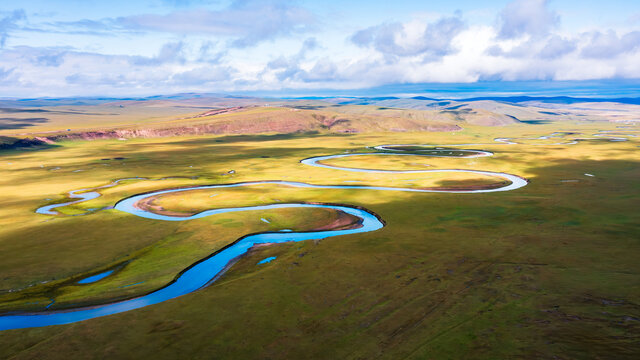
(549, 270)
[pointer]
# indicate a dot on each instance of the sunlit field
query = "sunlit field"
(548, 268)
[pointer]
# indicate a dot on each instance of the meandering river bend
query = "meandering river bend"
(207, 270)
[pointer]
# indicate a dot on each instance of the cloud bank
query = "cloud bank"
(270, 45)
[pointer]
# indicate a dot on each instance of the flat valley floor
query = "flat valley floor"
(548, 270)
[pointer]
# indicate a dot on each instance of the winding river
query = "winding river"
(207, 270)
(199, 274)
(602, 135)
(516, 182)
(90, 193)
(82, 195)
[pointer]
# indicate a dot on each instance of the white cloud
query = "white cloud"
(9, 22)
(609, 44)
(85, 73)
(397, 39)
(527, 43)
(247, 22)
(527, 17)
(556, 47)
(169, 52)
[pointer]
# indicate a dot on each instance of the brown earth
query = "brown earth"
(148, 204)
(467, 185)
(217, 112)
(344, 221)
(286, 120)
(246, 120)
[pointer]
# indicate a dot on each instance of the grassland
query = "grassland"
(549, 270)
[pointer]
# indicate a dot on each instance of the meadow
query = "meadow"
(546, 270)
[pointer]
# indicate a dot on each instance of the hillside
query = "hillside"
(52, 120)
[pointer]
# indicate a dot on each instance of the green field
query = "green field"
(546, 271)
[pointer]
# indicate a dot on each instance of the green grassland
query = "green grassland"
(546, 271)
(49, 119)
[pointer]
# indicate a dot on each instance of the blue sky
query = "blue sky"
(70, 48)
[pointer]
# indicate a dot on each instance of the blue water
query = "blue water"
(82, 195)
(564, 140)
(94, 278)
(48, 210)
(198, 275)
(267, 260)
(516, 181)
(206, 271)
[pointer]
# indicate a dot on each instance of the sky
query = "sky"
(128, 48)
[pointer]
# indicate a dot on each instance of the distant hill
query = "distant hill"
(216, 97)
(195, 113)
(555, 99)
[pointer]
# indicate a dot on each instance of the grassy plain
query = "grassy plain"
(549, 270)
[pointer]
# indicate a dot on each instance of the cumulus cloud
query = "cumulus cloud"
(324, 70)
(527, 46)
(556, 47)
(609, 44)
(284, 67)
(551, 47)
(247, 21)
(291, 70)
(213, 50)
(433, 40)
(527, 17)
(525, 30)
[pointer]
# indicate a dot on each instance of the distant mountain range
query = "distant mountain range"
(555, 99)
(78, 101)
(506, 99)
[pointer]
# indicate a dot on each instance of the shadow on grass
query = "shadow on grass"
(9, 123)
(536, 122)
(32, 110)
(261, 137)
(12, 146)
(540, 272)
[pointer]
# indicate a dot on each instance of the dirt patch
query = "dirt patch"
(217, 112)
(344, 221)
(148, 204)
(467, 185)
